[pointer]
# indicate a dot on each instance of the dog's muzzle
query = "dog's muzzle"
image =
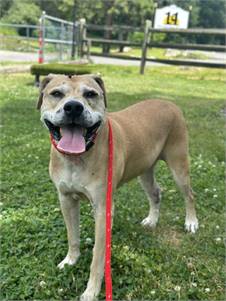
(73, 138)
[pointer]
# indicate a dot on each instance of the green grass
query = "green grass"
(158, 53)
(165, 264)
(23, 45)
(12, 63)
(18, 43)
(133, 52)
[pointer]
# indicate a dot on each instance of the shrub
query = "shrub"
(68, 69)
(7, 31)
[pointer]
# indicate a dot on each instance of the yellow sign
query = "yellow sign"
(171, 17)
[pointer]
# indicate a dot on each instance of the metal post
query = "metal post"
(41, 39)
(148, 25)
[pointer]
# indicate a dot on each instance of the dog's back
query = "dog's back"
(147, 129)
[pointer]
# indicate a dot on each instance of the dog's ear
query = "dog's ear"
(100, 82)
(43, 84)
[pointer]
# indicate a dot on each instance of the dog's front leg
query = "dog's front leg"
(70, 210)
(98, 261)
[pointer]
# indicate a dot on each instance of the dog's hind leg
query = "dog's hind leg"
(153, 193)
(70, 210)
(176, 156)
(180, 170)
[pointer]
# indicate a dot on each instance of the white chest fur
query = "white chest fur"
(71, 182)
(71, 177)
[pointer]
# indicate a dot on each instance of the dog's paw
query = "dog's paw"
(69, 260)
(88, 296)
(191, 225)
(149, 222)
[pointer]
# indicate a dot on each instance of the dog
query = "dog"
(73, 108)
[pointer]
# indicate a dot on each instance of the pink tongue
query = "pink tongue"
(72, 141)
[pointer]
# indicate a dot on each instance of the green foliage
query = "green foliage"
(165, 264)
(131, 12)
(51, 7)
(93, 11)
(8, 31)
(204, 14)
(126, 12)
(137, 37)
(5, 6)
(22, 12)
(212, 16)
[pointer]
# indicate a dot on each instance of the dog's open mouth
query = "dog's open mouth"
(73, 138)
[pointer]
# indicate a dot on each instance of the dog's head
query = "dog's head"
(72, 108)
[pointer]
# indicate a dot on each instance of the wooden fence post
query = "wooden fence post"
(148, 25)
(82, 36)
(89, 45)
(61, 47)
(120, 37)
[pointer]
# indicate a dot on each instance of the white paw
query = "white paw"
(191, 225)
(88, 296)
(149, 222)
(69, 259)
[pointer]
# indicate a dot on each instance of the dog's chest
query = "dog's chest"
(72, 178)
(71, 181)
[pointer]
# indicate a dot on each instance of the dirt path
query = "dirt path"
(14, 56)
(28, 57)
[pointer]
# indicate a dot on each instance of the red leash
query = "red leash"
(108, 281)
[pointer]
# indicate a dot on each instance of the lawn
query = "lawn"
(164, 264)
(158, 53)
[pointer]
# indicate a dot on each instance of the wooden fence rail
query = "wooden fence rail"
(113, 28)
(204, 47)
(149, 43)
(202, 31)
(114, 42)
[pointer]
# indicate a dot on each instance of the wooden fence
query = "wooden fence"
(148, 42)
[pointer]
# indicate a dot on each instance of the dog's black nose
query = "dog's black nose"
(73, 108)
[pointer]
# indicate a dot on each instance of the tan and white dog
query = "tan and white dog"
(74, 111)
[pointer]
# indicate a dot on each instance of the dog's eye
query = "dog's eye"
(90, 94)
(57, 94)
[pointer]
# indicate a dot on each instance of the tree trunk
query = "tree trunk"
(108, 22)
